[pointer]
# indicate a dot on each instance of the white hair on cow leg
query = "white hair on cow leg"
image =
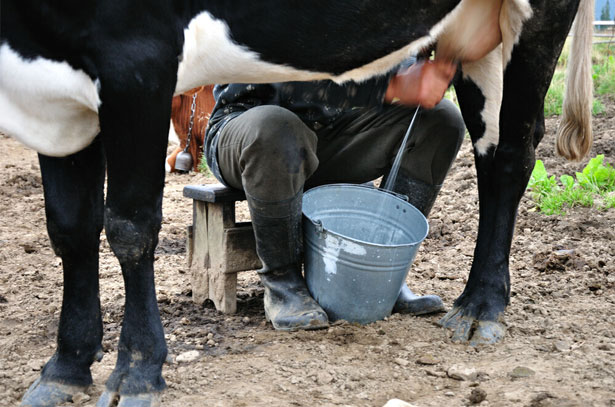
(47, 105)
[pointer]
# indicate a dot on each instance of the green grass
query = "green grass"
(203, 168)
(604, 76)
(593, 187)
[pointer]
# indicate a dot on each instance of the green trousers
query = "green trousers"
(272, 155)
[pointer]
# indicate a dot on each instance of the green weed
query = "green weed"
(604, 76)
(204, 168)
(594, 186)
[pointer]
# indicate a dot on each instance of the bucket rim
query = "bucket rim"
(317, 224)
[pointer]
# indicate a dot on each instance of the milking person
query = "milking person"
(275, 140)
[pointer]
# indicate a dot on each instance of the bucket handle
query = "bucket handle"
(320, 229)
(397, 194)
(388, 191)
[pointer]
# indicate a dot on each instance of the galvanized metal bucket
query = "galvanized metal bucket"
(359, 244)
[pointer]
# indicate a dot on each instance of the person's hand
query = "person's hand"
(423, 83)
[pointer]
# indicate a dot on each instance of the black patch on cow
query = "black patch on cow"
(328, 36)
(471, 103)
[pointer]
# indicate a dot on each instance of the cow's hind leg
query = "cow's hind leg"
(134, 129)
(74, 208)
(503, 171)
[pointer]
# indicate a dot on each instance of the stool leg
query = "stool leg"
(208, 252)
(198, 253)
(223, 291)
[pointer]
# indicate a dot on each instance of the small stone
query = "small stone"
(245, 320)
(542, 399)
(35, 365)
(435, 373)
(561, 346)
(80, 398)
(189, 356)
(521, 372)
(427, 359)
(462, 373)
(324, 378)
(185, 321)
(28, 248)
(398, 403)
(210, 336)
(401, 362)
(449, 394)
(477, 396)
(211, 342)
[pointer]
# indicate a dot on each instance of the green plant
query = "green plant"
(595, 184)
(597, 175)
(555, 94)
(204, 168)
(604, 76)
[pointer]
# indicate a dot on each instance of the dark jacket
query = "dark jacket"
(317, 104)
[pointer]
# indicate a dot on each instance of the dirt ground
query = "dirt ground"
(559, 349)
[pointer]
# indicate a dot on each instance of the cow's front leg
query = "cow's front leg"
(504, 162)
(134, 124)
(476, 315)
(74, 208)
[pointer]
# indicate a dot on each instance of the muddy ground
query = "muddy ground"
(559, 349)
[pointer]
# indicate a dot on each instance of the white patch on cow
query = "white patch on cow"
(386, 63)
(47, 105)
(488, 75)
(210, 56)
(513, 15)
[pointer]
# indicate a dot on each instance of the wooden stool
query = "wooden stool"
(218, 247)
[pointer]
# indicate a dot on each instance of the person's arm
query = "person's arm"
(423, 83)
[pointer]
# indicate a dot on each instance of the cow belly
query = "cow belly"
(47, 105)
(210, 56)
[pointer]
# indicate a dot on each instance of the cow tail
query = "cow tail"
(574, 136)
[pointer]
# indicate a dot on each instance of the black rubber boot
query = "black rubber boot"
(422, 196)
(277, 229)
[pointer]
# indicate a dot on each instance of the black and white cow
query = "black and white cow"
(89, 85)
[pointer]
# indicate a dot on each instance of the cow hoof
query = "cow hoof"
(108, 399)
(469, 329)
(488, 333)
(49, 394)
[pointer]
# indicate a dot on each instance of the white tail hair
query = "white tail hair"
(574, 136)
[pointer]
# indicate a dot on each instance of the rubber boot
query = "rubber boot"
(422, 196)
(277, 230)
